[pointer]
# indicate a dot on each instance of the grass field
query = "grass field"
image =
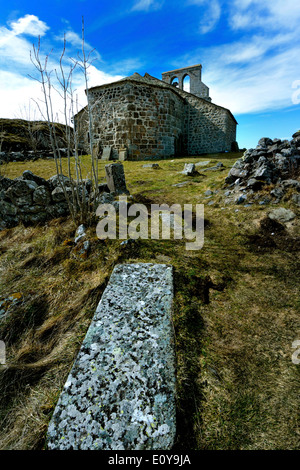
(236, 314)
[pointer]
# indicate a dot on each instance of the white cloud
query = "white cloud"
(211, 18)
(251, 75)
(210, 14)
(16, 88)
(267, 14)
(258, 86)
(29, 24)
(146, 5)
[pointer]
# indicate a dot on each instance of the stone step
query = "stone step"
(120, 393)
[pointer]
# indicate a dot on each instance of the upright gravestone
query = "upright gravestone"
(120, 393)
(106, 154)
(115, 178)
(123, 154)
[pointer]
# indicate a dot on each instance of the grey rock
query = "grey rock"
(58, 194)
(208, 193)
(241, 199)
(254, 184)
(29, 176)
(105, 198)
(291, 183)
(180, 185)
(263, 173)
(277, 192)
(5, 183)
(207, 162)
(57, 180)
(20, 188)
(296, 199)
(31, 209)
(287, 152)
(80, 233)
(7, 208)
(154, 166)
(189, 169)
(60, 209)
(41, 195)
(265, 142)
(120, 393)
(282, 215)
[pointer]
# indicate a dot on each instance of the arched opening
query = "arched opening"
(175, 82)
(187, 83)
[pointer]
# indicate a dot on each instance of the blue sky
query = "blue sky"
(249, 50)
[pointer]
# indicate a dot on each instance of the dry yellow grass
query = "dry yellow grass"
(236, 314)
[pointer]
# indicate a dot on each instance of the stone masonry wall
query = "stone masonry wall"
(151, 119)
(208, 128)
(144, 119)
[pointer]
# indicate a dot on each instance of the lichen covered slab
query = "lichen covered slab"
(120, 393)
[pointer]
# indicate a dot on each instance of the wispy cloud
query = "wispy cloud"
(146, 5)
(253, 74)
(210, 14)
(267, 14)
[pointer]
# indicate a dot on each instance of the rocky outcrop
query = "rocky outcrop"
(272, 162)
(17, 135)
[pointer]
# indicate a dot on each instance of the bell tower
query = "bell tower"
(197, 87)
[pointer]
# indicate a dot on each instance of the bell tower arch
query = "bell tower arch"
(197, 87)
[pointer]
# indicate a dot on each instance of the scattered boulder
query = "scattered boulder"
(189, 169)
(207, 162)
(218, 167)
(282, 215)
(154, 166)
(80, 233)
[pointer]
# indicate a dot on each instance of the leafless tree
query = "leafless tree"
(80, 201)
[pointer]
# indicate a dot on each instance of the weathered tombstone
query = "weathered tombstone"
(123, 154)
(106, 154)
(115, 178)
(120, 393)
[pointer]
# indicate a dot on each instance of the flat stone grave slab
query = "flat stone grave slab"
(120, 393)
